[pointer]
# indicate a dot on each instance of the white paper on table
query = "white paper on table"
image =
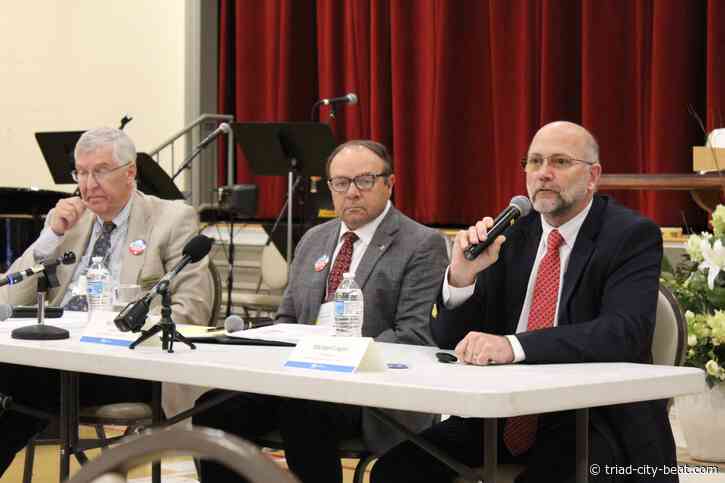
(291, 333)
(326, 315)
(102, 330)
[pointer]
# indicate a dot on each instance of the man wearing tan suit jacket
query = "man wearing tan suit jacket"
(163, 227)
(146, 241)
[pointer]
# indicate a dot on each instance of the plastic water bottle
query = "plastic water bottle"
(349, 308)
(99, 286)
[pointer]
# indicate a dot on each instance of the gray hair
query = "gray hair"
(122, 148)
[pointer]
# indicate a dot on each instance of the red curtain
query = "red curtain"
(456, 89)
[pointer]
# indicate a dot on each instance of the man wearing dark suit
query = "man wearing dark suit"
(575, 281)
(398, 264)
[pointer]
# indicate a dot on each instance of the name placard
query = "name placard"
(336, 354)
(102, 330)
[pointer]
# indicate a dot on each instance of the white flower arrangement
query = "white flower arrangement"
(698, 283)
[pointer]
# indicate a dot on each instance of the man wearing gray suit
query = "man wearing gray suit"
(398, 264)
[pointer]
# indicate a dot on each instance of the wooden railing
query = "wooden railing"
(706, 189)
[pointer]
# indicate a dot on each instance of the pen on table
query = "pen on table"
(214, 329)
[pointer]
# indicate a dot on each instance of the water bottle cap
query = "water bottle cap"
(97, 259)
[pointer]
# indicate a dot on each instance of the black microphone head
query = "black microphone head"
(197, 248)
(351, 98)
(6, 311)
(521, 203)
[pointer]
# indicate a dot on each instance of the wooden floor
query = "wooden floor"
(174, 470)
(181, 470)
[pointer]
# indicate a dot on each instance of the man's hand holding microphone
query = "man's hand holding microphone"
(474, 250)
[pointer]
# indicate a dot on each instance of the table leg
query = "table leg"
(582, 445)
(68, 420)
(490, 449)
(156, 416)
(461, 469)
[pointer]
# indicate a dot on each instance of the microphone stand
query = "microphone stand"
(48, 279)
(166, 326)
(199, 148)
(187, 162)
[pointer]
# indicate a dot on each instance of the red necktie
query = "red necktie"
(341, 265)
(519, 432)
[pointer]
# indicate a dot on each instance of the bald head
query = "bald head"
(570, 134)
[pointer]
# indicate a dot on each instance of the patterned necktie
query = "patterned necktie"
(100, 249)
(341, 265)
(519, 432)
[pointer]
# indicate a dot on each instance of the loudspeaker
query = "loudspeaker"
(240, 199)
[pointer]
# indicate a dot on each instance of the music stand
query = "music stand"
(58, 147)
(153, 180)
(297, 149)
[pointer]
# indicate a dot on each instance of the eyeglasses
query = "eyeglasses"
(98, 174)
(363, 182)
(559, 162)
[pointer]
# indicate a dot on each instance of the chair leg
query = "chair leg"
(29, 460)
(362, 464)
(101, 433)
(197, 465)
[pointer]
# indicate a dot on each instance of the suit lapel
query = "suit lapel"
(379, 244)
(139, 226)
(581, 252)
(331, 238)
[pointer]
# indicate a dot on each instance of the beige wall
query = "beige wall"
(77, 64)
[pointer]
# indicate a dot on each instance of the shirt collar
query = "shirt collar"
(366, 232)
(121, 218)
(568, 230)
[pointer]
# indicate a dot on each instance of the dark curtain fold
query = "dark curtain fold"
(456, 89)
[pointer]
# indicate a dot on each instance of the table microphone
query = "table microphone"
(68, 258)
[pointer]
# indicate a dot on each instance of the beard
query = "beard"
(557, 202)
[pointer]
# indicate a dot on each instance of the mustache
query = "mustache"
(546, 188)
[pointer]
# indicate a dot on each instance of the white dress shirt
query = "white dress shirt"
(365, 235)
(455, 296)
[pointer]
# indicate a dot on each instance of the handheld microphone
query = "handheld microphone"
(68, 258)
(349, 98)
(234, 323)
(222, 128)
(518, 206)
(133, 316)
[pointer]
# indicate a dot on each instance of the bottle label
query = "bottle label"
(348, 308)
(340, 307)
(95, 287)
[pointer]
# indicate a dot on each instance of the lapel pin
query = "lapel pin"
(137, 247)
(321, 263)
